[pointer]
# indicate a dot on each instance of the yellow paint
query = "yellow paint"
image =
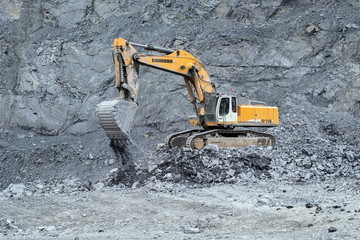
(129, 77)
(248, 116)
(194, 122)
(258, 114)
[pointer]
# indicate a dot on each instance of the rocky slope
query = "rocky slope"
(55, 57)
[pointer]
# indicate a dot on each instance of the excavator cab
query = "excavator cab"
(223, 111)
(220, 110)
(227, 110)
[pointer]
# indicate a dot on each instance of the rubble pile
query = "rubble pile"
(209, 165)
(316, 144)
(312, 145)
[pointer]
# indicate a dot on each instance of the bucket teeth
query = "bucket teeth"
(116, 117)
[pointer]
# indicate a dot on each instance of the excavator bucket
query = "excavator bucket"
(116, 117)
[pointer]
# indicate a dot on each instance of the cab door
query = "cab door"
(227, 110)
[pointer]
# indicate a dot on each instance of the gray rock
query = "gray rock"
(151, 168)
(99, 185)
(47, 228)
(15, 190)
(306, 162)
(312, 29)
(191, 230)
(111, 161)
(136, 185)
(309, 205)
(318, 209)
(114, 171)
(264, 201)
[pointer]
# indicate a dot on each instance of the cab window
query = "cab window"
(233, 104)
(224, 106)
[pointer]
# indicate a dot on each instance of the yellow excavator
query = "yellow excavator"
(217, 114)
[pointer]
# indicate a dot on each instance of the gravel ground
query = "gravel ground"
(246, 210)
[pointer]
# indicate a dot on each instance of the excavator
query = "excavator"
(217, 115)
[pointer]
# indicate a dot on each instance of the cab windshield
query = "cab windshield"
(210, 107)
(224, 107)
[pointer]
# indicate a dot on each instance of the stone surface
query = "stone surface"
(173, 211)
(56, 57)
(56, 63)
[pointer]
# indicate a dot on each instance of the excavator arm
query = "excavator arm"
(116, 115)
(126, 70)
(180, 62)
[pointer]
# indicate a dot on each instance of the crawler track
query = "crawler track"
(197, 139)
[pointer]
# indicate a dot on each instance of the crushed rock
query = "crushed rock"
(316, 145)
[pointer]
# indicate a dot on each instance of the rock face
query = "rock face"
(56, 64)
